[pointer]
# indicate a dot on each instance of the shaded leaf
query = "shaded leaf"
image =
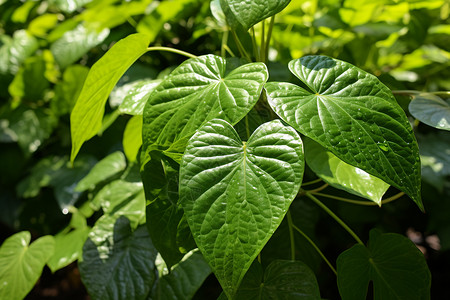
(236, 194)
(431, 110)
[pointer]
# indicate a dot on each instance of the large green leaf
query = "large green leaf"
(197, 91)
(341, 175)
(392, 262)
(236, 194)
(86, 117)
(431, 110)
(21, 264)
(353, 115)
(283, 279)
(248, 13)
(184, 279)
(127, 272)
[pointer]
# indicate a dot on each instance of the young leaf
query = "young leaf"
(431, 110)
(21, 264)
(132, 138)
(127, 272)
(248, 13)
(86, 117)
(353, 115)
(236, 194)
(397, 268)
(341, 175)
(194, 93)
(283, 279)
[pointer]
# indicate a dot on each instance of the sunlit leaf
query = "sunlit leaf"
(132, 137)
(133, 96)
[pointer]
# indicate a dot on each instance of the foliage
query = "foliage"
(215, 139)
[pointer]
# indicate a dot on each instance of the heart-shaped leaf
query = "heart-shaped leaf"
(21, 264)
(397, 268)
(353, 115)
(431, 110)
(248, 13)
(341, 175)
(194, 93)
(236, 194)
(127, 271)
(283, 279)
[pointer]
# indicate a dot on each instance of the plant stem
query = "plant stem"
(263, 43)
(318, 189)
(269, 36)
(255, 47)
(312, 182)
(359, 202)
(224, 43)
(168, 49)
(291, 234)
(316, 248)
(239, 46)
(336, 218)
(247, 129)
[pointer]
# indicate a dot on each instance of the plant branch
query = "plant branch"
(255, 46)
(269, 36)
(291, 234)
(316, 190)
(333, 215)
(168, 49)
(316, 248)
(263, 43)
(239, 46)
(359, 202)
(312, 182)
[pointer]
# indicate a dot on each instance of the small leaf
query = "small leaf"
(104, 169)
(127, 272)
(431, 110)
(248, 13)
(194, 93)
(21, 264)
(353, 115)
(341, 175)
(86, 117)
(392, 262)
(236, 194)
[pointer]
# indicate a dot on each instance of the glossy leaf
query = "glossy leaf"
(431, 110)
(75, 43)
(282, 279)
(134, 95)
(236, 194)
(353, 115)
(194, 93)
(248, 13)
(104, 169)
(132, 138)
(184, 279)
(21, 264)
(86, 117)
(341, 175)
(392, 262)
(127, 271)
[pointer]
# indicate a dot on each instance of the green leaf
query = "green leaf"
(104, 169)
(431, 110)
(86, 117)
(194, 93)
(392, 262)
(127, 272)
(184, 279)
(133, 96)
(21, 264)
(132, 138)
(14, 51)
(75, 43)
(283, 279)
(69, 6)
(236, 194)
(248, 13)
(343, 176)
(353, 115)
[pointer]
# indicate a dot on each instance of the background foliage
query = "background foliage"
(46, 51)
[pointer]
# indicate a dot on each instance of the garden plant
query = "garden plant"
(226, 149)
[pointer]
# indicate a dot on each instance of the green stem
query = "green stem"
(315, 190)
(247, 129)
(316, 248)
(255, 46)
(229, 50)
(359, 202)
(336, 218)
(291, 234)
(239, 46)
(224, 43)
(168, 49)
(269, 36)
(312, 182)
(263, 43)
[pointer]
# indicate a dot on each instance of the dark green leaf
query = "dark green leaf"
(194, 93)
(128, 269)
(236, 194)
(392, 262)
(353, 115)
(86, 117)
(431, 110)
(21, 264)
